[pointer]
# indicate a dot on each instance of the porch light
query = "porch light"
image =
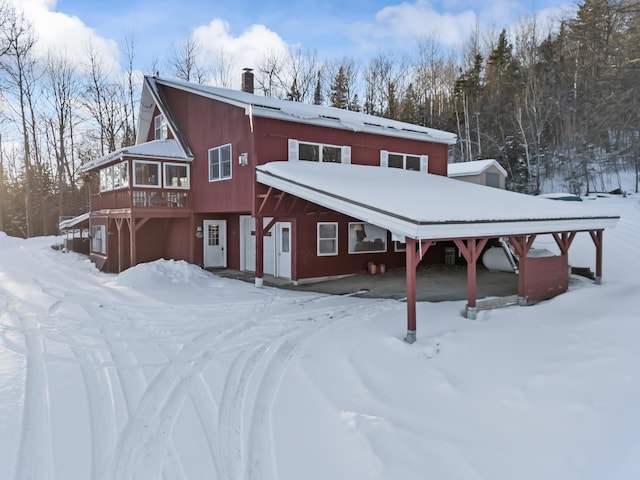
(199, 233)
(243, 159)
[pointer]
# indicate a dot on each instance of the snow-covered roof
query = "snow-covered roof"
(73, 222)
(474, 167)
(168, 149)
(421, 205)
(260, 106)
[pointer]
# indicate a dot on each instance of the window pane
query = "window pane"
(413, 163)
(327, 230)
(327, 246)
(225, 160)
(285, 240)
(331, 154)
(214, 164)
(309, 152)
(124, 174)
(146, 174)
(103, 179)
(214, 235)
(396, 161)
(160, 127)
(175, 175)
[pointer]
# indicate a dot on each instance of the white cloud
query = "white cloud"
(419, 19)
(67, 34)
(246, 50)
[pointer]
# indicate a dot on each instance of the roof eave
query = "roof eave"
(413, 228)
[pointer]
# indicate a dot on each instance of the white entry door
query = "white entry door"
(215, 243)
(283, 249)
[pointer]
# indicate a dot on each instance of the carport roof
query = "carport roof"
(425, 206)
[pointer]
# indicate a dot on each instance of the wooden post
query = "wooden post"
(522, 244)
(120, 247)
(596, 236)
(259, 280)
(471, 250)
(411, 255)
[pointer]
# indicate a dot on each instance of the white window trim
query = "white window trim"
(166, 179)
(109, 173)
(354, 252)
(146, 162)
(219, 179)
(160, 126)
(399, 246)
(333, 254)
(294, 151)
(424, 159)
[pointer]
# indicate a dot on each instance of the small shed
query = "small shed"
(482, 172)
(76, 231)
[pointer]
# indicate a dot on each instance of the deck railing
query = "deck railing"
(140, 198)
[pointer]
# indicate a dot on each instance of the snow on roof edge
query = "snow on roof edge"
(493, 212)
(473, 167)
(317, 114)
(168, 149)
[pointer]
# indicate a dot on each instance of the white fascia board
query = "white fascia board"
(504, 228)
(437, 230)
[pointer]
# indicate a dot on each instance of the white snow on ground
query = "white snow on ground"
(168, 372)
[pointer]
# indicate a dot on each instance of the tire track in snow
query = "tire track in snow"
(89, 353)
(35, 454)
(144, 440)
(254, 380)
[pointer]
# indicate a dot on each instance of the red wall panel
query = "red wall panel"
(545, 277)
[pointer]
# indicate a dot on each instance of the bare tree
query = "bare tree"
(17, 62)
(185, 61)
(129, 135)
(270, 74)
(384, 80)
(62, 88)
(105, 99)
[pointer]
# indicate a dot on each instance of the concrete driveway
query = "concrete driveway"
(435, 283)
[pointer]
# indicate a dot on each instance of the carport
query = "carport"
(421, 209)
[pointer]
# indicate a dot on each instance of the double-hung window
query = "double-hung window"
(160, 127)
(405, 161)
(220, 163)
(318, 152)
(327, 238)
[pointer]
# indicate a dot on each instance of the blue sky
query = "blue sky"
(244, 28)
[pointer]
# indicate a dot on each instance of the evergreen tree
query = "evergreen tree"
(338, 96)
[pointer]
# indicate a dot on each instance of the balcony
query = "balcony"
(146, 198)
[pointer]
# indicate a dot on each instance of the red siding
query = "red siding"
(545, 278)
(310, 265)
(207, 124)
(272, 143)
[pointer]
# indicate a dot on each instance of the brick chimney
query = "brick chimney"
(247, 80)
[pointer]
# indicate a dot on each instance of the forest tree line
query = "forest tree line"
(554, 101)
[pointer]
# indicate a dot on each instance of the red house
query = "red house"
(225, 178)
